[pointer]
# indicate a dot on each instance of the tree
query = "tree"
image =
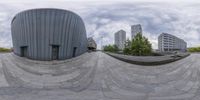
(115, 48)
(139, 46)
(111, 48)
(127, 47)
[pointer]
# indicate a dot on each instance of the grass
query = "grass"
(194, 49)
(4, 49)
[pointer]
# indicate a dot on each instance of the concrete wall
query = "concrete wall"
(39, 29)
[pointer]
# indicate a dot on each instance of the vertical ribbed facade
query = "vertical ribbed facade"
(39, 29)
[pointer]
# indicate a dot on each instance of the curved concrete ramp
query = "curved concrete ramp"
(74, 74)
(175, 81)
(97, 76)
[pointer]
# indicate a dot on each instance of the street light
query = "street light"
(102, 42)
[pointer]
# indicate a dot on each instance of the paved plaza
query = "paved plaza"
(97, 76)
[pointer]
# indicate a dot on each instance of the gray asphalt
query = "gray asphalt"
(97, 76)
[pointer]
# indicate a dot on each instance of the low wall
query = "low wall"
(149, 60)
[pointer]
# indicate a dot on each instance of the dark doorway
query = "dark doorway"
(74, 51)
(24, 51)
(55, 52)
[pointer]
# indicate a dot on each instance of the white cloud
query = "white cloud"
(105, 18)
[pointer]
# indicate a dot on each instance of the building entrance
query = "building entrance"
(55, 52)
(74, 51)
(24, 51)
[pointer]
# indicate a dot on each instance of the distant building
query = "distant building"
(135, 29)
(120, 38)
(91, 44)
(168, 43)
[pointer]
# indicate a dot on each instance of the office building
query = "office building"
(91, 44)
(120, 38)
(135, 29)
(169, 43)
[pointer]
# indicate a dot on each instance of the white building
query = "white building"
(91, 44)
(120, 38)
(168, 43)
(135, 29)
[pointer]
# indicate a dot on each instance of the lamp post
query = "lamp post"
(102, 43)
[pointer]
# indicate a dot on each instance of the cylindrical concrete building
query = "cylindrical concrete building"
(48, 34)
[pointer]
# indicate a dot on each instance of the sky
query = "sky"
(103, 18)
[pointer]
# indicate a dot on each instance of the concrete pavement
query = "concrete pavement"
(97, 76)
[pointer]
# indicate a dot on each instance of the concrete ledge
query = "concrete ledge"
(148, 60)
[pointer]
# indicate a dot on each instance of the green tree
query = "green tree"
(115, 48)
(139, 46)
(127, 47)
(111, 48)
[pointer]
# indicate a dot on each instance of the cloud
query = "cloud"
(103, 19)
(155, 18)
